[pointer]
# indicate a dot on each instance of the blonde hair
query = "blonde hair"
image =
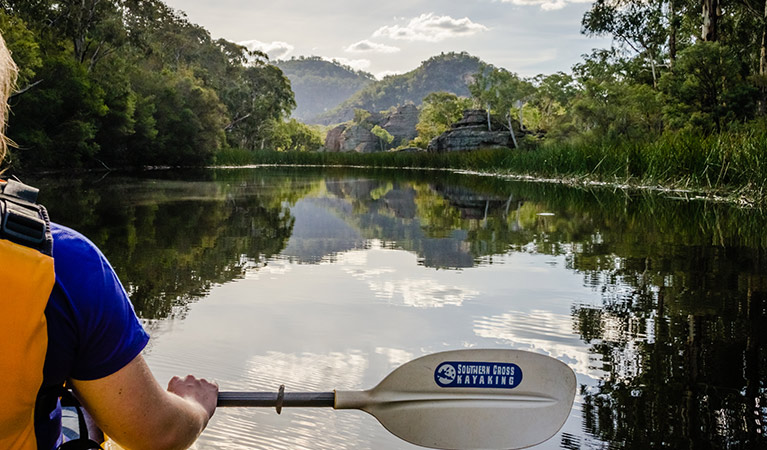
(8, 73)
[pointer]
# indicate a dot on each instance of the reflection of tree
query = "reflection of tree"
(683, 356)
(170, 241)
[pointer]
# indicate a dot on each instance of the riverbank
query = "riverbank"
(730, 167)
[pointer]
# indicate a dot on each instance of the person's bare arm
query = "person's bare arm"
(133, 409)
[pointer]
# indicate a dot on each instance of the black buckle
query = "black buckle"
(20, 227)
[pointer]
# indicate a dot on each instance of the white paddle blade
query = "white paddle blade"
(471, 399)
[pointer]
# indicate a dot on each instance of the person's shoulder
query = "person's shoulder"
(67, 241)
(110, 334)
(78, 262)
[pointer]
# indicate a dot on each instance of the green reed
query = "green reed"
(731, 163)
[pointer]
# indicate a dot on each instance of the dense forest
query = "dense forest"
(133, 82)
(321, 85)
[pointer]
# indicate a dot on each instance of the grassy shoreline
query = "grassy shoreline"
(730, 166)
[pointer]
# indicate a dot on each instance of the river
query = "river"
(330, 279)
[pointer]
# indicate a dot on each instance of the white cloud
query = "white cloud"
(275, 50)
(547, 5)
(386, 73)
(431, 28)
(356, 64)
(373, 47)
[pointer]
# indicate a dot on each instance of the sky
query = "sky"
(527, 37)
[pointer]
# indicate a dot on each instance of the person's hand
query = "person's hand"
(198, 390)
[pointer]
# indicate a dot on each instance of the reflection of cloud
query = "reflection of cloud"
(541, 331)
(275, 50)
(389, 283)
(254, 270)
(306, 371)
(296, 428)
(431, 28)
(395, 356)
(424, 293)
(372, 47)
(547, 5)
(357, 257)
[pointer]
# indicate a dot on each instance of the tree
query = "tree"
(382, 135)
(293, 135)
(553, 93)
(26, 50)
(711, 13)
(55, 123)
(500, 91)
(636, 25)
(763, 65)
(708, 90)
(258, 95)
(439, 110)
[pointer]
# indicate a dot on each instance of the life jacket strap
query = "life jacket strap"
(84, 442)
(22, 220)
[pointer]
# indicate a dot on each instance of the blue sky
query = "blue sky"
(524, 36)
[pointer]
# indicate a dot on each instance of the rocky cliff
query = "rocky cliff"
(401, 124)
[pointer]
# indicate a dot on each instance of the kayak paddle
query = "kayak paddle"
(461, 399)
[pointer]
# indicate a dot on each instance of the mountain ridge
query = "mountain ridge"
(449, 72)
(320, 85)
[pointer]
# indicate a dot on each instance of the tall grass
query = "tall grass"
(729, 163)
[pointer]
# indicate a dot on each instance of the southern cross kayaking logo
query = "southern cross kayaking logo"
(445, 374)
(478, 375)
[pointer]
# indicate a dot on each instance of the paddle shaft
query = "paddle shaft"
(272, 399)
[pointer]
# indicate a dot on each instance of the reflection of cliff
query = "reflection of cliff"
(318, 233)
(406, 215)
(473, 205)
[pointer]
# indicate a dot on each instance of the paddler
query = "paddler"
(67, 319)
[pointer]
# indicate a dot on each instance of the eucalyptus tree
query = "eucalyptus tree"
(258, 98)
(637, 26)
(94, 27)
(438, 111)
(384, 137)
(500, 91)
(548, 104)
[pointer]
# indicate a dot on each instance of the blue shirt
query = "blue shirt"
(92, 329)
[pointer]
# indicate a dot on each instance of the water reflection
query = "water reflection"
(659, 305)
(386, 280)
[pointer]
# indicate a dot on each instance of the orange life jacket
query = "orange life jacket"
(26, 281)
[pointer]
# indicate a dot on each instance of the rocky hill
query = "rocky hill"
(321, 85)
(450, 72)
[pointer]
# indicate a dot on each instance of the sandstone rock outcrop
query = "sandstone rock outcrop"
(401, 124)
(333, 138)
(471, 133)
(351, 137)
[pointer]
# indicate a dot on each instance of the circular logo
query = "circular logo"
(445, 374)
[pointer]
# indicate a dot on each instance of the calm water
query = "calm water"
(330, 280)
